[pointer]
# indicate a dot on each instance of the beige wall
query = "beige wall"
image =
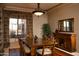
(63, 12)
(37, 24)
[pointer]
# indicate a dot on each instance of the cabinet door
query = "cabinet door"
(73, 42)
(68, 44)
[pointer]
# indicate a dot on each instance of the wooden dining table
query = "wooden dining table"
(33, 45)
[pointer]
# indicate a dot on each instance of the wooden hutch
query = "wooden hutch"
(66, 41)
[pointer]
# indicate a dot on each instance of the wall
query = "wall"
(63, 12)
(37, 24)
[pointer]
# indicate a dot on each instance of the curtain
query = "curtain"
(17, 15)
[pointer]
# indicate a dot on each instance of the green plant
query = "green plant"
(46, 30)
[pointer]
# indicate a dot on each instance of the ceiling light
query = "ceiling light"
(38, 11)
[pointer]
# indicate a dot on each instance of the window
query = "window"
(17, 27)
(13, 27)
(66, 25)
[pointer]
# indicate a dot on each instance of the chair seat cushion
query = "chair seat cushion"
(26, 48)
(47, 51)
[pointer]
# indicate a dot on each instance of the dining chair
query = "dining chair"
(25, 50)
(47, 49)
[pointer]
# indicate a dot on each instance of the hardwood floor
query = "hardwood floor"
(14, 52)
(14, 49)
(11, 52)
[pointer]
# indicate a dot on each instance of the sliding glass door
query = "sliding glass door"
(17, 29)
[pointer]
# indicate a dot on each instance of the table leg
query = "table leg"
(33, 51)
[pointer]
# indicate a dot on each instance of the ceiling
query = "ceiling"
(28, 7)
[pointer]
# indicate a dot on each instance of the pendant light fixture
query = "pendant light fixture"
(38, 11)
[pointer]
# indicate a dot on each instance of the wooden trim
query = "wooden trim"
(55, 6)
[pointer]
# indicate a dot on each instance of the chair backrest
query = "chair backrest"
(24, 49)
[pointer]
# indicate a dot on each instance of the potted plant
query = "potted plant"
(46, 30)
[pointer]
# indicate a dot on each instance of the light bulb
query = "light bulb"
(38, 13)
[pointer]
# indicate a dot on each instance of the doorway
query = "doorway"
(17, 29)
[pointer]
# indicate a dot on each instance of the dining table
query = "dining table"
(34, 44)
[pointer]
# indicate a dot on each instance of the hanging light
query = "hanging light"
(38, 11)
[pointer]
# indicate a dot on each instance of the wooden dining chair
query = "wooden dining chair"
(21, 50)
(47, 50)
(24, 49)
